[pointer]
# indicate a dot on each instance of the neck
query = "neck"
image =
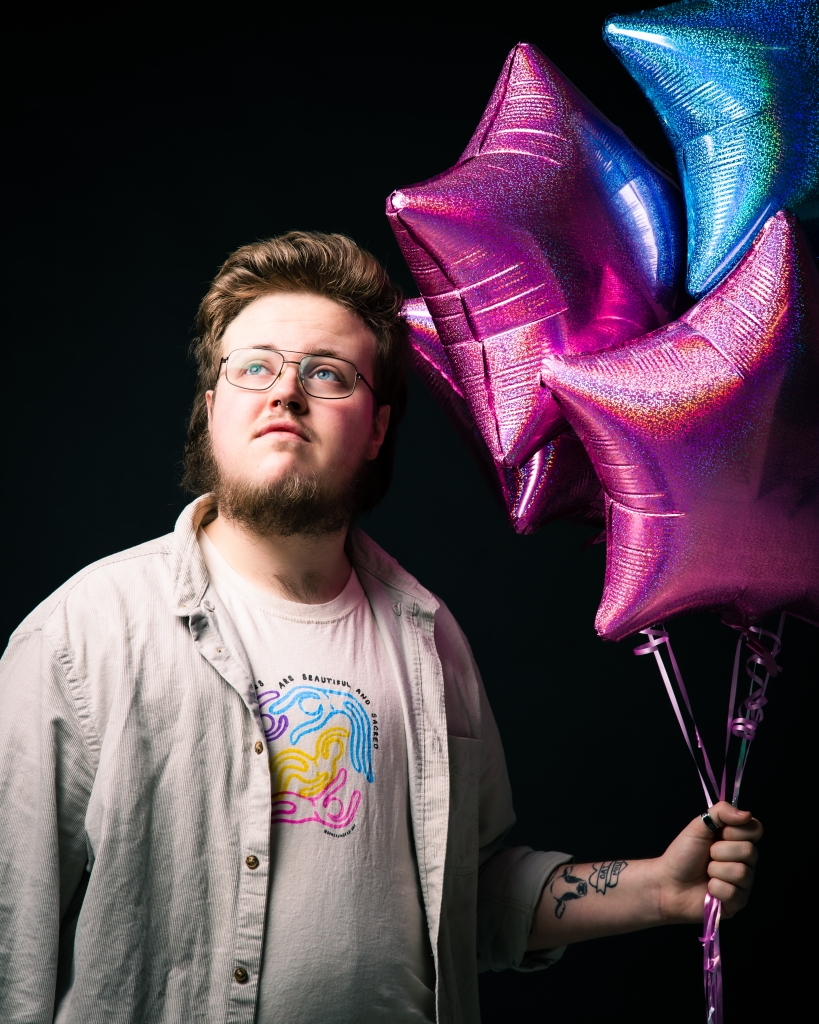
(311, 570)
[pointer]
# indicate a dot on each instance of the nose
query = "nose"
(287, 392)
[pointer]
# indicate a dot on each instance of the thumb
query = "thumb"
(720, 816)
(726, 814)
(727, 819)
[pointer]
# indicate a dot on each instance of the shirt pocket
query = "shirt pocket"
(464, 778)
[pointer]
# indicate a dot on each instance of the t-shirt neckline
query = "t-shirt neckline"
(224, 575)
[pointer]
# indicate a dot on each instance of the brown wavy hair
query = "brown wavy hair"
(318, 264)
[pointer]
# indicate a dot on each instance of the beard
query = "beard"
(296, 504)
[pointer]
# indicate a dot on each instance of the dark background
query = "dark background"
(143, 146)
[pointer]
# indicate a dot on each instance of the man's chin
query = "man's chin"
(288, 502)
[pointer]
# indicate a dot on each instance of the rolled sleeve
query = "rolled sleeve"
(510, 885)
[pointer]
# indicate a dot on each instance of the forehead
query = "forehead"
(301, 323)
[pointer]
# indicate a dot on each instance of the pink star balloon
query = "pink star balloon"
(705, 435)
(558, 482)
(552, 234)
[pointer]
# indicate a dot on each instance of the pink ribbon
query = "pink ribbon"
(744, 727)
(711, 960)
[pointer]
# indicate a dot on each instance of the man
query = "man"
(249, 771)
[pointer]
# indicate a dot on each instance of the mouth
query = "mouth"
(286, 429)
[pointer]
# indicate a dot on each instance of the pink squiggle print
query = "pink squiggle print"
(321, 807)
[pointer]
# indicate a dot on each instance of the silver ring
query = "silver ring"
(709, 822)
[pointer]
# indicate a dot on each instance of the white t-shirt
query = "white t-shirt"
(346, 940)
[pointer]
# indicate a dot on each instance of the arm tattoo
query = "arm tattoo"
(566, 887)
(607, 875)
(564, 879)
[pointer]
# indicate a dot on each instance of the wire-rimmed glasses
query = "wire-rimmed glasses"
(258, 369)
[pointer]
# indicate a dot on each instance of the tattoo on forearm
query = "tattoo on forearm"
(607, 875)
(566, 886)
(563, 880)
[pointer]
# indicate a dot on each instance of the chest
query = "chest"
(332, 717)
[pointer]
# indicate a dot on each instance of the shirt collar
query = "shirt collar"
(365, 554)
(191, 579)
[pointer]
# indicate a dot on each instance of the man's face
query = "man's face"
(262, 437)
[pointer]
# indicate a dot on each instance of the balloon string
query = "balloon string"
(731, 705)
(744, 727)
(658, 636)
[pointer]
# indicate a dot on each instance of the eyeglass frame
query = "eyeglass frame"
(293, 362)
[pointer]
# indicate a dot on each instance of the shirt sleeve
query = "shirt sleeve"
(511, 879)
(45, 782)
(510, 884)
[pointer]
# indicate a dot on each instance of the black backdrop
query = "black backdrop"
(144, 146)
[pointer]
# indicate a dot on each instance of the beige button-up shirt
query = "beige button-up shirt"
(135, 808)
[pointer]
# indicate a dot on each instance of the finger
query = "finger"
(732, 898)
(739, 875)
(743, 852)
(711, 823)
(752, 831)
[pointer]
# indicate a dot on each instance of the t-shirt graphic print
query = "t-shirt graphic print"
(346, 938)
(320, 776)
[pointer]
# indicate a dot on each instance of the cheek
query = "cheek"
(352, 434)
(231, 418)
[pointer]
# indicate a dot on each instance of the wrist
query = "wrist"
(661, 907)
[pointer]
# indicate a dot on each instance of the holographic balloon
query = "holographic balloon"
(558, 482)
(552, 233)
(736, 85)
(705, 436)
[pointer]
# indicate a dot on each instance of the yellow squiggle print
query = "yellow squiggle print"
(295, 771)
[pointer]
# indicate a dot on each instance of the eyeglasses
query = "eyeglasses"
(258, 369)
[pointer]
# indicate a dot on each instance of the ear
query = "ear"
(381, 421)
(210, 397)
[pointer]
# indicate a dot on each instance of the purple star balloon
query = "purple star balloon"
(705, 435)
(558, 482)
(552, 234)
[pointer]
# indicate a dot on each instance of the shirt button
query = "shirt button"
(208, 605)
(252, 862)
(241, 975)
(258, 746)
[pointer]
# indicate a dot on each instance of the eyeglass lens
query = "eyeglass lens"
(322, 376)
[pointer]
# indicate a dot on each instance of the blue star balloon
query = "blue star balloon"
(736, 85)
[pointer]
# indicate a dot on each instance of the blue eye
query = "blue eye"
(327, 377)
(325, 374)
(255, 369)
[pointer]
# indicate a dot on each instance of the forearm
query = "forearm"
(588, 901)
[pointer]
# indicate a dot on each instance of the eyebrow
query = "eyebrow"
(317, 352)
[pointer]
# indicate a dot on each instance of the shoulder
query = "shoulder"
(371, 559)
(385, 572)
(386, 579)
(125, 577)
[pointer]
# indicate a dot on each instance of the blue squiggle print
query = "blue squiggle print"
(361, 742)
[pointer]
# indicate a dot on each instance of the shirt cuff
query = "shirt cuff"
(510, 885)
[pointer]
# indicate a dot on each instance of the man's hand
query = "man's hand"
(586, 901)
(698, 860)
